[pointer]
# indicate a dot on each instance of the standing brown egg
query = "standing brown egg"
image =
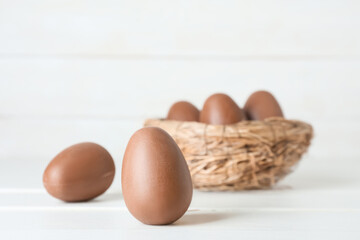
(183, 111)
(79, 173)
(261, 105)
(156, 181)
(220, 109)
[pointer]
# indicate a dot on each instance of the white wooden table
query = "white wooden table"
(90, 70)
(318, 201)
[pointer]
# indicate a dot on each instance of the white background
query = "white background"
(73, 71)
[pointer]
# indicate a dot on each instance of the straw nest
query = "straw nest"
(246, 155)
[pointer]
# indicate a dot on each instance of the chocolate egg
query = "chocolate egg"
(183, 111)
(156, 181)
(221, 109)
(261, 105)
(79, 173)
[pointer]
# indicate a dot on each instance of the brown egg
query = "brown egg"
(261, 105)
(220, 109)
(156, 181)
(183, 111)
(79, 173)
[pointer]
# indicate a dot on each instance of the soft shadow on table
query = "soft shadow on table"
(106, 197)
(196, 218)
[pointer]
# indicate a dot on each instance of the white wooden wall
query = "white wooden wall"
(79, 70)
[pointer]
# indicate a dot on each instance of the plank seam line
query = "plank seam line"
(182, 57)
(111, 209)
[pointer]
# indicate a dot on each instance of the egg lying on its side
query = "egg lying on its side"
(261, 105)
(220, 109)
(156, 181)
(79, 173)
(183, 111)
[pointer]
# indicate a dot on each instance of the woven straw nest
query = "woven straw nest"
(245, 155)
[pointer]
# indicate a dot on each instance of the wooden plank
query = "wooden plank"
(307, 90)
(173, 28)
(290, 199)
(230, 224)
(40, 140)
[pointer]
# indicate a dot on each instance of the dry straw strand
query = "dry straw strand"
(245, 155)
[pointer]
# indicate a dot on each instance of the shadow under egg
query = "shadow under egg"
(197, 218)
